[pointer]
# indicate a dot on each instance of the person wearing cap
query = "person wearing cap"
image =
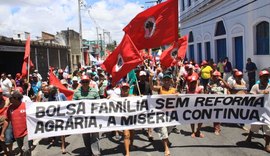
(128, 133)
(238, 85)
(262, 88)
(91, 140)
(16, 114)
(65, 83)
(217, 85)
(251, 69)
(206, 71)
(194, 88)
(165, 88)
(6, 85)
(75, 83)
(143, 88)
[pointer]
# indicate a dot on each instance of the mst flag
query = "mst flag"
(26, 58)
(175, 52)
(122, 60)
(182, 43)
(56, 82)
(155, 26)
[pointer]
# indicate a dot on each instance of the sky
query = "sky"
(52, 16)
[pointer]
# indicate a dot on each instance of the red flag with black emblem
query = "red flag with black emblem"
(62, 89)
(175, 52)
(26, 58)
(182, 43)
(168, 56)
(122, 60)
(155, 26)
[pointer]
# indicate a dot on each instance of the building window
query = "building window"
(220, 29)
(191, 52)
(183, 5)
(262, 38)
(208, 50)
(199, 46)
(190, 37)
(189, 3)
(191, 46)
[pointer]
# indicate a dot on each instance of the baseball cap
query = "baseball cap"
(85, 77)
(19, 89)
(167, 76)
(142, 73)
(35, 71)
(263, 72)
(75, 78)
(63, 81)
(216, 73)
(238, 73)
(124, 85)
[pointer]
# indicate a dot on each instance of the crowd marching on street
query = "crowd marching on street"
(94, 83)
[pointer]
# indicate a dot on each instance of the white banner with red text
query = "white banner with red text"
(47, 119)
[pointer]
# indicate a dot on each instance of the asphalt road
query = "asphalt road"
(230, 142)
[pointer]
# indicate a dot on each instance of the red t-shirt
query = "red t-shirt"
(17, 116)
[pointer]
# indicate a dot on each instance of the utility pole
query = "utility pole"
(80, 29)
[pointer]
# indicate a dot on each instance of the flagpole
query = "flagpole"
(28, 71)
(139, 89)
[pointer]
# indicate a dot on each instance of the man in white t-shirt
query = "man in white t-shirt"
(262, 88)
(6, 85)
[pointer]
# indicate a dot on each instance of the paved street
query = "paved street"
(230, 142)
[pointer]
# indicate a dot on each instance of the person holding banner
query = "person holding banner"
(217, 86)
(164, 89)
(17, 116)
(143, 88)
(55, 95)
(128, 133)
(91, 140)
(262, 88)
(194, 88)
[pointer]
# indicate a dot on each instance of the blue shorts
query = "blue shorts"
(9, 138)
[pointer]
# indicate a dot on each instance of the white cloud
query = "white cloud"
(53, 16)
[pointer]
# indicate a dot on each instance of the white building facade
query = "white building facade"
(237, 29)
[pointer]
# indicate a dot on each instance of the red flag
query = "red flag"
(155, 26)
(182, 43)
(173, 53)
(122, 60)
(56, 82)
(26, 58)
(168, 56)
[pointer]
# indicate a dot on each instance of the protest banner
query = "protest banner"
(46, 119)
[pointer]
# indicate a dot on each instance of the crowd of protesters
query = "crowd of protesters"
(94, 83)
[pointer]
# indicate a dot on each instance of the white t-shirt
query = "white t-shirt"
(6, 86)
